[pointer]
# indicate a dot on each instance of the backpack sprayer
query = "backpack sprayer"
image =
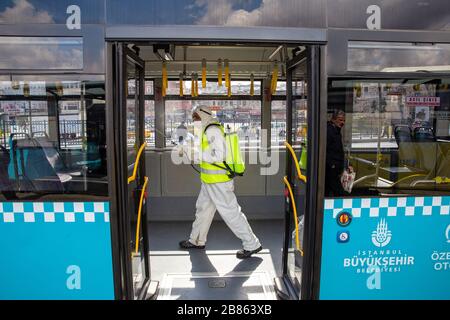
(234, 163)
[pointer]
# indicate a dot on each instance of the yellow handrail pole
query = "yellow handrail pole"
(297, 239)
(138, 224)
(136, 163)
(299, 172)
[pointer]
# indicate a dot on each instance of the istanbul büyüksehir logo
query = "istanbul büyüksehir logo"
(447, 233)
(382, 236)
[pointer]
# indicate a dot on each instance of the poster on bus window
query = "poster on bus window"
(422, 114)
(386, 248)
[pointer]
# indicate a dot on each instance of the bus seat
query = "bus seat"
(423, 134)
(32, 167)
(14, 168)
(402, 133)
(52, 154)
(5, 181)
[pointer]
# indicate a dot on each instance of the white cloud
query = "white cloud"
(216, 13)
(244, 18)
(24, 12)
(280, 13)
(40, 56)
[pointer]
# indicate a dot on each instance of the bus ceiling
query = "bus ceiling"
(242, 60)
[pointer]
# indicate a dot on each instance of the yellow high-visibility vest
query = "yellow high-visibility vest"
(222, 171)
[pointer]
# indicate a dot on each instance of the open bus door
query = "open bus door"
(131, 180)
(302, 105)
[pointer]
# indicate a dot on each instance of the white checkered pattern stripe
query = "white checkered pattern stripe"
(401, 206)
(51, 212)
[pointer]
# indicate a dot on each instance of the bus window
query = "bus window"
(241, 116)
(53, 136)
(396, 135)
(278, 107)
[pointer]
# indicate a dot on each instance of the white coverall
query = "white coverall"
(219, 196)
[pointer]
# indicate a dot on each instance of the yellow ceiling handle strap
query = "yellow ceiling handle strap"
(229, 86)
(192, 85)
(274, 78)
(219, 72)
(196, 85)
(138, 223)
(297, 165)
(227, 73)
(252, 85)
(164, 78)
(294, 208)
(203, 73)
(181, 84)
(26, 89)
(136, 163)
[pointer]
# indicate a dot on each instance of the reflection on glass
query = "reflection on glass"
(286, 13)
(52, 137)
(37, 53)
(50, 11)
(398, 57)
(397, 133)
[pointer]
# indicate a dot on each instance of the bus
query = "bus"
(92, 205)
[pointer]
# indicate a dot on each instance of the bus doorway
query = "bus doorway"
(260, 92)
(128, 123)
(302, 109)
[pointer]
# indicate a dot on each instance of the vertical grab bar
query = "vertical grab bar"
(138, 224)
(136, 163)
(288, 185)
(297, 239)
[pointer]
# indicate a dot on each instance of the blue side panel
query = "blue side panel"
(393, 248)
(52, 250)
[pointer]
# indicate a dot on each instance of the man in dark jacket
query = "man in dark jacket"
(335, 160)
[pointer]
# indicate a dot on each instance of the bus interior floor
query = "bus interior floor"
(215, 273)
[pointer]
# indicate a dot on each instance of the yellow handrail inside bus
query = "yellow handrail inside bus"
(294, 207)
(136, 163)
(299, 172)
(407, 177)
(138, 224)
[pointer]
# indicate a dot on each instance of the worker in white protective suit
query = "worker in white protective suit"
(217, 190)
